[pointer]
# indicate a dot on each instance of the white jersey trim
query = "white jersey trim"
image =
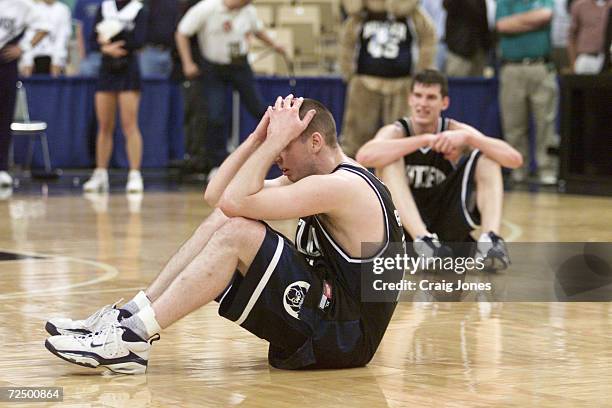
(464, 182)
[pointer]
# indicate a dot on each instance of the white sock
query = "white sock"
(139, 302)
(134, 173)
(144, 323)
(484, 237)
(101, 172)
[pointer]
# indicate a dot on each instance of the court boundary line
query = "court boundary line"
(110, 272)
(515, 230)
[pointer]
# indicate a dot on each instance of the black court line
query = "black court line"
(10, 256)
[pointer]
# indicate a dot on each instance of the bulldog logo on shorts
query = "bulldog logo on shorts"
(294, 297)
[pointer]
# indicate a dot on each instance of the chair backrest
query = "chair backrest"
(329, 11)
(22, 114)
(305, 21)
(267, 62)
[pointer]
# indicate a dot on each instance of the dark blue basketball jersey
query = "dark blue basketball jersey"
(385, 46)
(425, 168)
(351, 327)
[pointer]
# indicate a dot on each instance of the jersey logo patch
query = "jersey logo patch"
(294, 296)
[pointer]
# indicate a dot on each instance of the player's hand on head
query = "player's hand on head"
(285, 123)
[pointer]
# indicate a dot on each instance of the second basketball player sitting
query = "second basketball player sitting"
(445, 176)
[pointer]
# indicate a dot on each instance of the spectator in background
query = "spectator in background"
(50, 55)
(194, 119)
(222, 27)
(69, 3)
(85, 16)
(121, 29)
(589, 19)
(528, 83)
(467, 37)
(15, 17)
(607, 46)
(156, 56)
(560, 29)
(436, 11)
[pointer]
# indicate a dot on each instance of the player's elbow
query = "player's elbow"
(514, 160)
(211, 197)
(229, 206)
(363, 157)
(366, 157)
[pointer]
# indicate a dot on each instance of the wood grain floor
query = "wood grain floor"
(93, 252)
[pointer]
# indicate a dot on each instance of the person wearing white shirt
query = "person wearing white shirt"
(15, 17)
(50, 55)
(222, 28)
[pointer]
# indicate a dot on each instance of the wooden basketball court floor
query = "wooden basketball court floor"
(80, 253)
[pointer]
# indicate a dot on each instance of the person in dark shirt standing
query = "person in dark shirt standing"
(156, 56)
(467, 36)
(121, 28)
(85, 12)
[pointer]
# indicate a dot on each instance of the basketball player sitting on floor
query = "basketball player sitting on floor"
(445, 176)
(304, 299)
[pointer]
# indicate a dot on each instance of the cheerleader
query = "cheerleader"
(120, 32)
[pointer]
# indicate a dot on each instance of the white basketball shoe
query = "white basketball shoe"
(114, 347)
(98, 183)
(134, 183)
(5, 179)
(102, 317)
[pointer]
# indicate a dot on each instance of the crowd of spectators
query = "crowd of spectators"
(525, 43)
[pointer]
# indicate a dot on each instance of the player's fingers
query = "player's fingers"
(287, 101)
(297, 103)
(279, 103)
(308, 117)
(436, 144)
(445, 147)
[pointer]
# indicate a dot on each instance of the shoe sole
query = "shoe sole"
(92, 362)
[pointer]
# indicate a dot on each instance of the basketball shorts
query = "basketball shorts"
(283, 299)
(449, 209)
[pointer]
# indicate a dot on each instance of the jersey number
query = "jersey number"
(388, 50)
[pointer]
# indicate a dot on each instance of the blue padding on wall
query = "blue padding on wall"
(67, 105)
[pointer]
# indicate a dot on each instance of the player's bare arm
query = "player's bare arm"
(245, 195)
(389, 145)
(462, 137)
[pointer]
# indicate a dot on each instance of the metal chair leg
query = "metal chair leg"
(28, 163)
(45, 148)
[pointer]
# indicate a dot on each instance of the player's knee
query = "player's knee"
(238, 229)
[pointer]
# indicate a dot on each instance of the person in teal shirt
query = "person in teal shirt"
(69, 3)
(528, 84)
